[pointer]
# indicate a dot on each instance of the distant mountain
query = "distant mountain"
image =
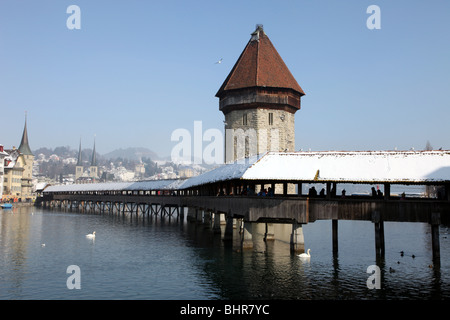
(131, 153)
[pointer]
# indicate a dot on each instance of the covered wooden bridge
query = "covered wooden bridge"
(232, 190)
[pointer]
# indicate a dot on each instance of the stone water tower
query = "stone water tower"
(259, 99)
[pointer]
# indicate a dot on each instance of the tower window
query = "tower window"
(270, 118)
(244, 119)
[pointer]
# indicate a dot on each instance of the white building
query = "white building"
(3, 154)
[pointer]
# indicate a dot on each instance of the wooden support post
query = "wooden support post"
(190, 214)
(379, 234)
(207, 219)
(216, 226)
(335, 235)
(299, 189)
(446, 195)
(387, 191)
(199, 215)
(435, 221)
(228, 228)
(328, 196)
(269, 234)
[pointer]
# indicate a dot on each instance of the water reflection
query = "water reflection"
(169, 258)
(270, 271)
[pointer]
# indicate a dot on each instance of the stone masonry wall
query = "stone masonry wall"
(258, 134)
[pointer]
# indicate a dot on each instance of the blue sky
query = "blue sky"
(138, 70)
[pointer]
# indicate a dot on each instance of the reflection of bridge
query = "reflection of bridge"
(224, 194)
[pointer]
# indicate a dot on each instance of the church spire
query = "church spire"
(24, 147)
(94, 157)
(80, 160)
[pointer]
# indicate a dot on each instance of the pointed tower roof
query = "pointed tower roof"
(94, 157)
(80, 161)
(260, 65)
(24, 147)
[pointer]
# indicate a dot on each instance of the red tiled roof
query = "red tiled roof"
(260, 65)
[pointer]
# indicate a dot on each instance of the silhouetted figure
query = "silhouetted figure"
(374, 192)
(312, 192)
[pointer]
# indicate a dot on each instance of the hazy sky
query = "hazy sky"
(138, 70)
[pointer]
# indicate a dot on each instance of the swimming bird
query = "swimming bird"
(43, 245)
(306, 255)
(91, 235)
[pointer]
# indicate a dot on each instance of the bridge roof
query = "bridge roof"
(402, 167)
(336, 166)
(117, 186)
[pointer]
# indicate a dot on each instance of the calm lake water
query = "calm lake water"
(162, 259)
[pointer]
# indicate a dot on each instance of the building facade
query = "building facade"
(259, 99)
(18, 171)
(3, 154)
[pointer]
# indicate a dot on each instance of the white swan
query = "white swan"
(91, 235)
(306, 255)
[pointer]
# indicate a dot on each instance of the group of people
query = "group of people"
(312, 192)
(266, 192)
(377, 193)
(250, 192)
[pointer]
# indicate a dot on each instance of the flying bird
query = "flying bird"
(220, 61)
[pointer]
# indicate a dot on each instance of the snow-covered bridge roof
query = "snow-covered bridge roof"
(117, 186)
(337, 166)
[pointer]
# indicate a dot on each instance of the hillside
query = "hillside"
(132, 153)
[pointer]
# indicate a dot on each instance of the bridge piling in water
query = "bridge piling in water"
(435, 221)
(334, 227)
(379, 234)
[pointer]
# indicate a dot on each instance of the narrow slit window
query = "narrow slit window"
(270, 118)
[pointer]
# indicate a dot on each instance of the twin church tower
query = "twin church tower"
(259, 99)
(91, 173)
